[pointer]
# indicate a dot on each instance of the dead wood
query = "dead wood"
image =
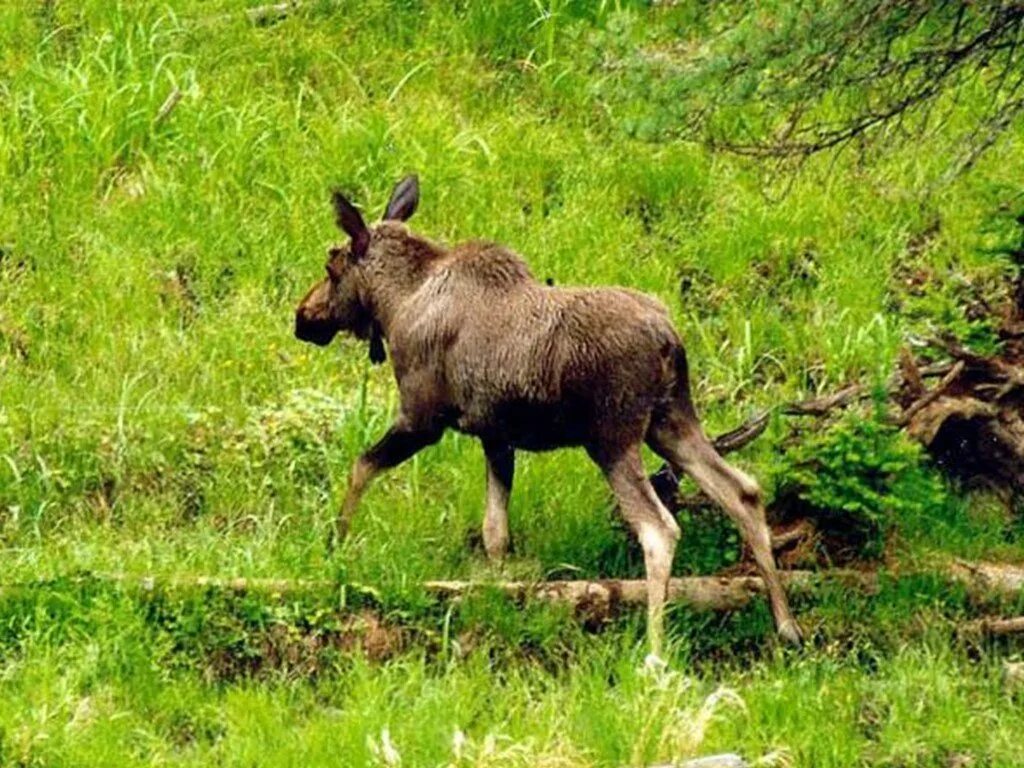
(747, 432)
(995, 627)
(930, 396)
(924, 425)
(852, 393)
(989, 577)
(804, 529)
(225, 584)
(911, 373)
(168, 106)
(958, 351)
(973, 422)
(823, 405)
(718, 593)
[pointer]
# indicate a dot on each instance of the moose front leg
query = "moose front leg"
(500, 468)
(402, 441)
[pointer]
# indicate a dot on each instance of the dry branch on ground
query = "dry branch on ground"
(995, 626)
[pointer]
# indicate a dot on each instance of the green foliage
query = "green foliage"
(944, 309)
(953, 300)
(860, 478)
(710, 541)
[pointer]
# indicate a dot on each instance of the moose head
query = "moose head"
(339, 302)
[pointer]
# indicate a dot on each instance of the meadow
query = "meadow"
(165, 177)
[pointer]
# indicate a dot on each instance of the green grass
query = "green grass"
(99, 675)
(156, 415)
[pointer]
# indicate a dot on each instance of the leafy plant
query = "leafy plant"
(859, 479)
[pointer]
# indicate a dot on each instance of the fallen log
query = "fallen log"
(230, 584)
(989, 577)
(995, 627)
(718, 593)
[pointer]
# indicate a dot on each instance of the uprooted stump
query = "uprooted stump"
(972, 422)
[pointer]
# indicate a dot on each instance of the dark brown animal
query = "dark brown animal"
(480, 346)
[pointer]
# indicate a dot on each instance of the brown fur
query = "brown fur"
(479, 345)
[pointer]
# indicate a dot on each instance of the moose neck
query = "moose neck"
(398, 265)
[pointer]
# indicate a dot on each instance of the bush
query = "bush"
(857, 480)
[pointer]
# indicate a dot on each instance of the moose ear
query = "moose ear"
(404, 199)
(350, 221)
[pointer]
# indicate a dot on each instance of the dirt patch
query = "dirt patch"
(305, 651)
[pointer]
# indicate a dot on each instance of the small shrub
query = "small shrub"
(857, 480)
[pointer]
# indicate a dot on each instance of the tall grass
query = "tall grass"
(157, 416)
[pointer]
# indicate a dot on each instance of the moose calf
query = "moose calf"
(479, 345)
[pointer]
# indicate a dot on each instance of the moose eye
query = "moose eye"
(333, 271)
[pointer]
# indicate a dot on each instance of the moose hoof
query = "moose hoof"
(336, 537)
(496, 551)
(789, 632)
(654, 664)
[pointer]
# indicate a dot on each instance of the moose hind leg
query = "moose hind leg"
(682, 443)
(656, 529)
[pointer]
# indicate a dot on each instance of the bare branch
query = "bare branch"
(172, 100)
(746, 433)
(823, 405)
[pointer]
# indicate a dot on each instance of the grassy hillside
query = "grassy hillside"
(157, 416)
